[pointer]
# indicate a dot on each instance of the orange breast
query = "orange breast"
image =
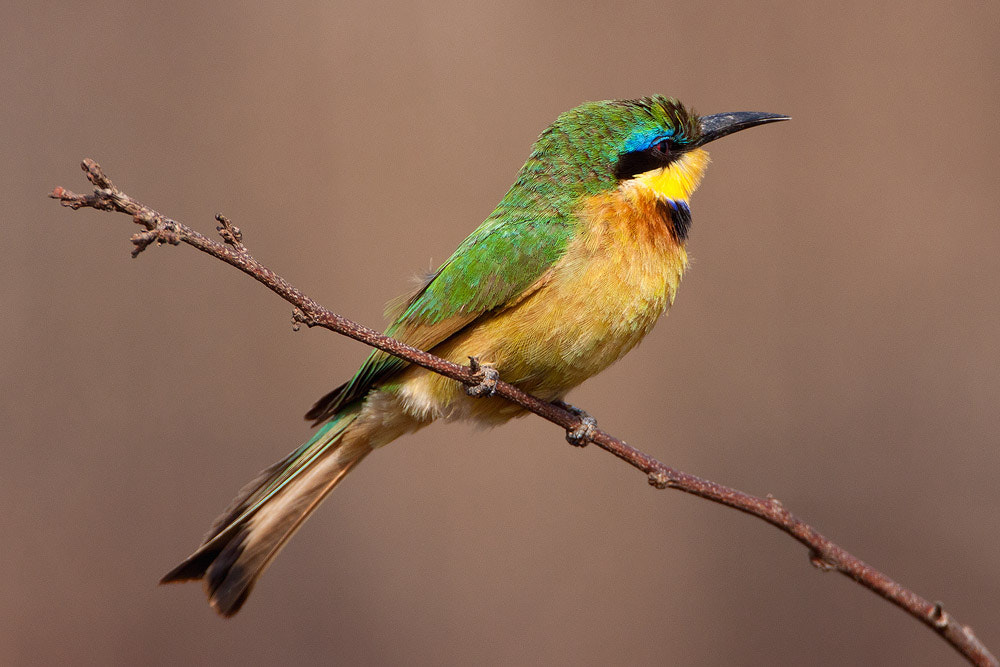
(595, 304)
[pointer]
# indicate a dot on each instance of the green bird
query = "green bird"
(570, 271)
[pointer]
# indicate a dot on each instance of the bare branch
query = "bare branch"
(823, 554)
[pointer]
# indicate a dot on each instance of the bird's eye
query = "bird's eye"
(662, 147)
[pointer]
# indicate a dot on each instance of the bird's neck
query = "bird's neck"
(667, 190)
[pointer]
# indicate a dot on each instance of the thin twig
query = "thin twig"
(823, 553)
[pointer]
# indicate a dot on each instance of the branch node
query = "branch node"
(299, 318)
(660, 479)
(939, 617)
(96, 175)
(159, 232)
(141, 241)
(230, 233)
(778, 508)
(67, 198)
(170, 234)
(485, 375)
(819, 562)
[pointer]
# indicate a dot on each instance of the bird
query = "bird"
(574, 266)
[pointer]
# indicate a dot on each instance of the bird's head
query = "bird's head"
(654, 144)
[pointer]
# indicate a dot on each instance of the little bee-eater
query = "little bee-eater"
(578, 261)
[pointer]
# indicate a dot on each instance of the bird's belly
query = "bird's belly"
(592, 307)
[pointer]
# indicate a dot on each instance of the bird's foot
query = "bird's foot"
(487, 376)
(580, 435)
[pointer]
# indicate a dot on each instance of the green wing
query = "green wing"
(507, 254)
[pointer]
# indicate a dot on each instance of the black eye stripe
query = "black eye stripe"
(632, 164)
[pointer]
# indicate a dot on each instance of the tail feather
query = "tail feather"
(267, 512)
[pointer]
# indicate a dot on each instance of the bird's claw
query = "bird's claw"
(579, 435)
(487, 376)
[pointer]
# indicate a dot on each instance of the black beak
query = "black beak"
(719, 125)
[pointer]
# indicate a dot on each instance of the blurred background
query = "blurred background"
(835, 343)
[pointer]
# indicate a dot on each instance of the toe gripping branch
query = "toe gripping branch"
(487, 376)
(580, 435)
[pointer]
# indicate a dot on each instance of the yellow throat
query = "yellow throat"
(679, 179)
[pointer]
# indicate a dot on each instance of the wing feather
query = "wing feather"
(493, 267)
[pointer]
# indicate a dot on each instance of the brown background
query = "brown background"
(835, 343)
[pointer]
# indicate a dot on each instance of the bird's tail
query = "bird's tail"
(268, 511)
